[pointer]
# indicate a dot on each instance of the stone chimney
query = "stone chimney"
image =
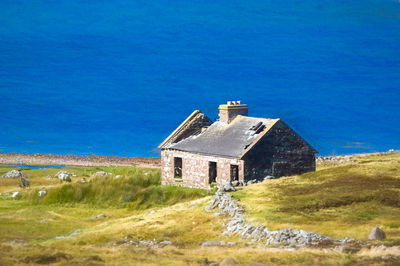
(228, 112)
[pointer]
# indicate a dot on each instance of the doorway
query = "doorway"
(234, 172)
(178, 168)
(212, 172)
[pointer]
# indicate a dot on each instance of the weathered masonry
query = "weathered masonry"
(236, 147)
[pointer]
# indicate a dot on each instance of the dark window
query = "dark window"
(177, 167)
(212, 172)
(234, 172)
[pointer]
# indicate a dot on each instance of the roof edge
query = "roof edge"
(176, 131)
(259, 138)
(204, 153)
(306, 142)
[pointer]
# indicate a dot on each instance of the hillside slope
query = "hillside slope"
(139, 215)
(338, 201)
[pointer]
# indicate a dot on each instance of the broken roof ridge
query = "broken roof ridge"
(177, 131)
(224, 139)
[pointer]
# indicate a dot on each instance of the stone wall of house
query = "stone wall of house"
(281, 152)
(195, 169)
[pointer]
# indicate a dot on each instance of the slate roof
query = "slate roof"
(229, 140)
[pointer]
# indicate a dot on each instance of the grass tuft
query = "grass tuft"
(136, 189)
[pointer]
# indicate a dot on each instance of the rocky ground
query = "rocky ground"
(260, 235)
(78, 160)
(341, 159)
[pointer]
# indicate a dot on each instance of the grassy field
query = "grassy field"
(337, 201)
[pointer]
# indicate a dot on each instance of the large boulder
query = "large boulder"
(376, 234)
(64, 176)
(14, 174)
(102, 173)
(42, 193)
(25, 182)
(226, 187)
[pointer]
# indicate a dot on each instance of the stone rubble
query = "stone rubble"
(102, 173)
(127, 241)
(237, 226)
(74, 233)
(64, 176)
(376, 234)
(101, 215)
(342, 159)
(13, 174)
(24, 182)
(42, 193)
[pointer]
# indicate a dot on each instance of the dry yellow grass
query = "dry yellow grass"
(336, 201)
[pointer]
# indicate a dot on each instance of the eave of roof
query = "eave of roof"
(178, 129)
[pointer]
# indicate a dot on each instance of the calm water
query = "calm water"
(116, 77)
(37, 167)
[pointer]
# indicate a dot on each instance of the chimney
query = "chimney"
(228, 111)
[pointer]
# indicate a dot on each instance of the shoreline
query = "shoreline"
(143, 162)
(78, 160)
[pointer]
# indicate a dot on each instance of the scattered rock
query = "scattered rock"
(64, 176)
(102, 173)
(228, 261)
(42, 193)
(25, 182)
(77, 231)
(376, 234)
(210, 243)
(251, 182)
(13, 174)
(151, 212)
(142, 243)
(15, 195)
(74, 233)
(226, 187)
(98, 216)
(235, 183)
(237, 226)
(165, 243)
(268, 177)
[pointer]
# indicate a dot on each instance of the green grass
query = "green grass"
(136, 188)
(337, 201)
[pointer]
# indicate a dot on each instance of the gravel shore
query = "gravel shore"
(78, 160)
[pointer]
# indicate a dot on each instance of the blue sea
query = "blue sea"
(116, 77)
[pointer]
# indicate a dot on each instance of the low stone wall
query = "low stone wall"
(342, 159)
(237, 226)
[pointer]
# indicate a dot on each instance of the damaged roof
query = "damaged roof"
(222, 139)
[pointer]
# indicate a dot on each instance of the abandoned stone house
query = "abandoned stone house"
(236, 147)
